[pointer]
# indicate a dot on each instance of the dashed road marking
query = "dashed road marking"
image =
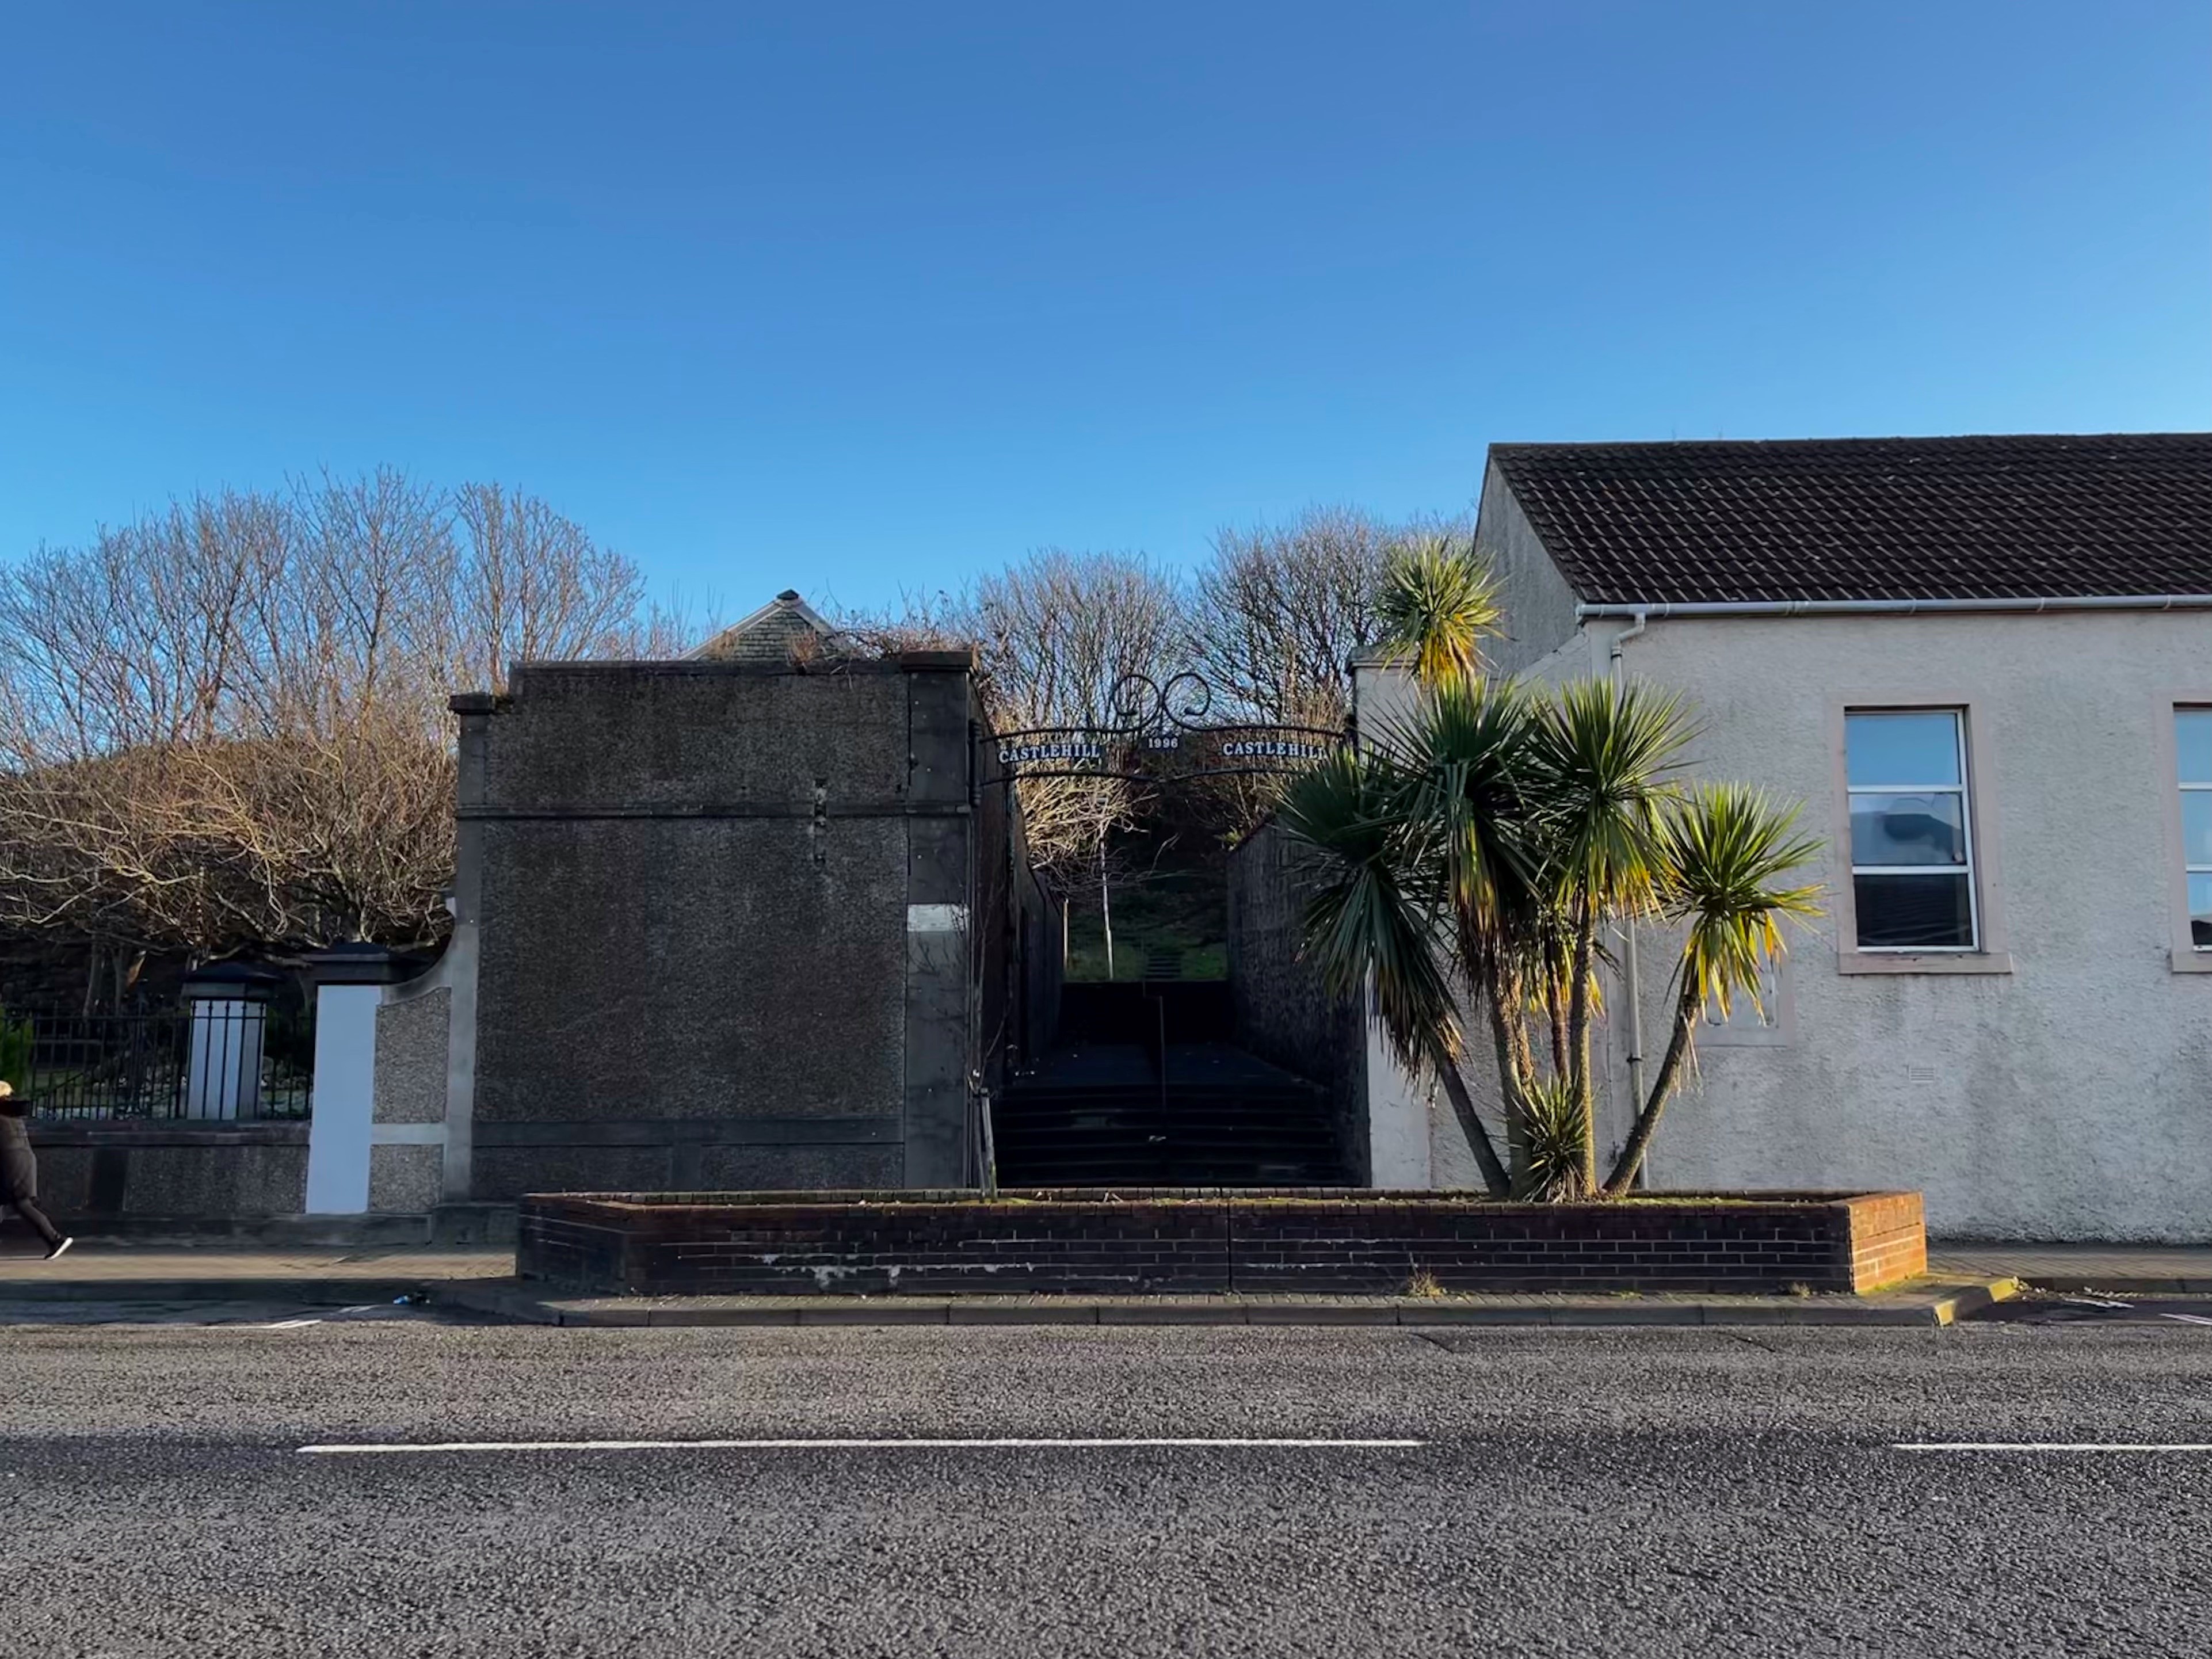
(2052, 1446)
(994, 1443)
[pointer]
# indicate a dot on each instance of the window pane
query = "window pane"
(2192, 738)
(1918, 748)
(1911, 829)
(2200, 911)
(2196, 826)
(1913, 910)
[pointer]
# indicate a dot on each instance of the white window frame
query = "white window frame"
(2185, 788)
(1964, 789)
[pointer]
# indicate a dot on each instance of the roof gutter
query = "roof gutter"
(1660, 611)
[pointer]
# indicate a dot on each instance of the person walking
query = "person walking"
(18, 1171)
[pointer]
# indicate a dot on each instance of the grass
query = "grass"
(1186, 911)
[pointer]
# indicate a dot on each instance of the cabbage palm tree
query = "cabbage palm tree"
(1602, 766)
(1379, 921)
(1476, 851)
(1725, 854)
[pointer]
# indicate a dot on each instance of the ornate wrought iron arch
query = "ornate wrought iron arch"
(1159, 733)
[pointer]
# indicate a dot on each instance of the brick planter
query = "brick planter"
(1137, 1241)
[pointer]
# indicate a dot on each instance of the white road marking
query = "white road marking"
(2051, 1446)
(994, 1445)
(2188, 1319)
(290, 1324)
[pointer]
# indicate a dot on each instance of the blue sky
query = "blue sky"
(856, 298)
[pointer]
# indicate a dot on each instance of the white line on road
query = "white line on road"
(290, 1324)
(996, 1444)
(2188, 1319)
(2050, 1446)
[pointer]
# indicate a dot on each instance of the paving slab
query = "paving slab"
(107, 1272)
(2136, 1269)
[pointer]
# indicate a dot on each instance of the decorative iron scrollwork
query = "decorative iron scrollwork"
(1158, 733)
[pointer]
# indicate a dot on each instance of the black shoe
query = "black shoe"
(59, 1248)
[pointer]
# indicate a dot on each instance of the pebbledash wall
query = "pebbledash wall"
(2057, 1084)
(712, 928)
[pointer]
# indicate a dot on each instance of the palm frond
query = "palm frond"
(1728, 851)
(1555, 1130)
(1438, 602)
(1374, 914)
(1604, 761)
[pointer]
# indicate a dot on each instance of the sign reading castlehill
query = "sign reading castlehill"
(1160, 733)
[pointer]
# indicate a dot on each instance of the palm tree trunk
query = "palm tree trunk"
(1557, 1018)
(1517, 1065)
(1579, 1040)
(1647, 1120)
(1478, 1138)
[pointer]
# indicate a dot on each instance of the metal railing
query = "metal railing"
(213, 1061)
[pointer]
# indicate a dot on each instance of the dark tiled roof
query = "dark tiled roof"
(1872, 518)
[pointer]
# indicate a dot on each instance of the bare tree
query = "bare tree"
(1279, 612)
(226, 725)
(1058, 634)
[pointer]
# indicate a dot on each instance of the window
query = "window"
(2192, 745)
(1912, 864)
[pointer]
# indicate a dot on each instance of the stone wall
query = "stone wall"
(1283, 1014)
(722, 917)
(1315, 1240)
(406, 1157)
(112, 1170)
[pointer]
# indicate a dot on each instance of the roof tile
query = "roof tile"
(2030, 517)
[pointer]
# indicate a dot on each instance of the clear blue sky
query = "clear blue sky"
(849, 297)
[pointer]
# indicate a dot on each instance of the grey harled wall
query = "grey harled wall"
(701, 961)
(1539, 605)
(1283, 1014)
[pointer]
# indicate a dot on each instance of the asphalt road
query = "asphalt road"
(1646, 1492)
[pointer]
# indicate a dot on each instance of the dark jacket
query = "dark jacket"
(18, 1170)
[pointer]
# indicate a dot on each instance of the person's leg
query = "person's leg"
(28, 1209)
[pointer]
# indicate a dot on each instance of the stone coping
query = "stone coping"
(939, 1197)
(54, 1131)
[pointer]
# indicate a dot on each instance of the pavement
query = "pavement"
(209, 1487)
(103, 1272)
(2140, 1269)
(1965, 1281)
(481, 1281)
(1927, 1301)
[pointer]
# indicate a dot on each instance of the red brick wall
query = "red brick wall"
(1889, 1240)
(1196, 1241)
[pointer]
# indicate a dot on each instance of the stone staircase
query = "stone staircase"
(1097, 1114)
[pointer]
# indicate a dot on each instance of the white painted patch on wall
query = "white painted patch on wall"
(937, 918)
(407, 1135)
(339, 1129)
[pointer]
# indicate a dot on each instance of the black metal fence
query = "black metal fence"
(210, 1059)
